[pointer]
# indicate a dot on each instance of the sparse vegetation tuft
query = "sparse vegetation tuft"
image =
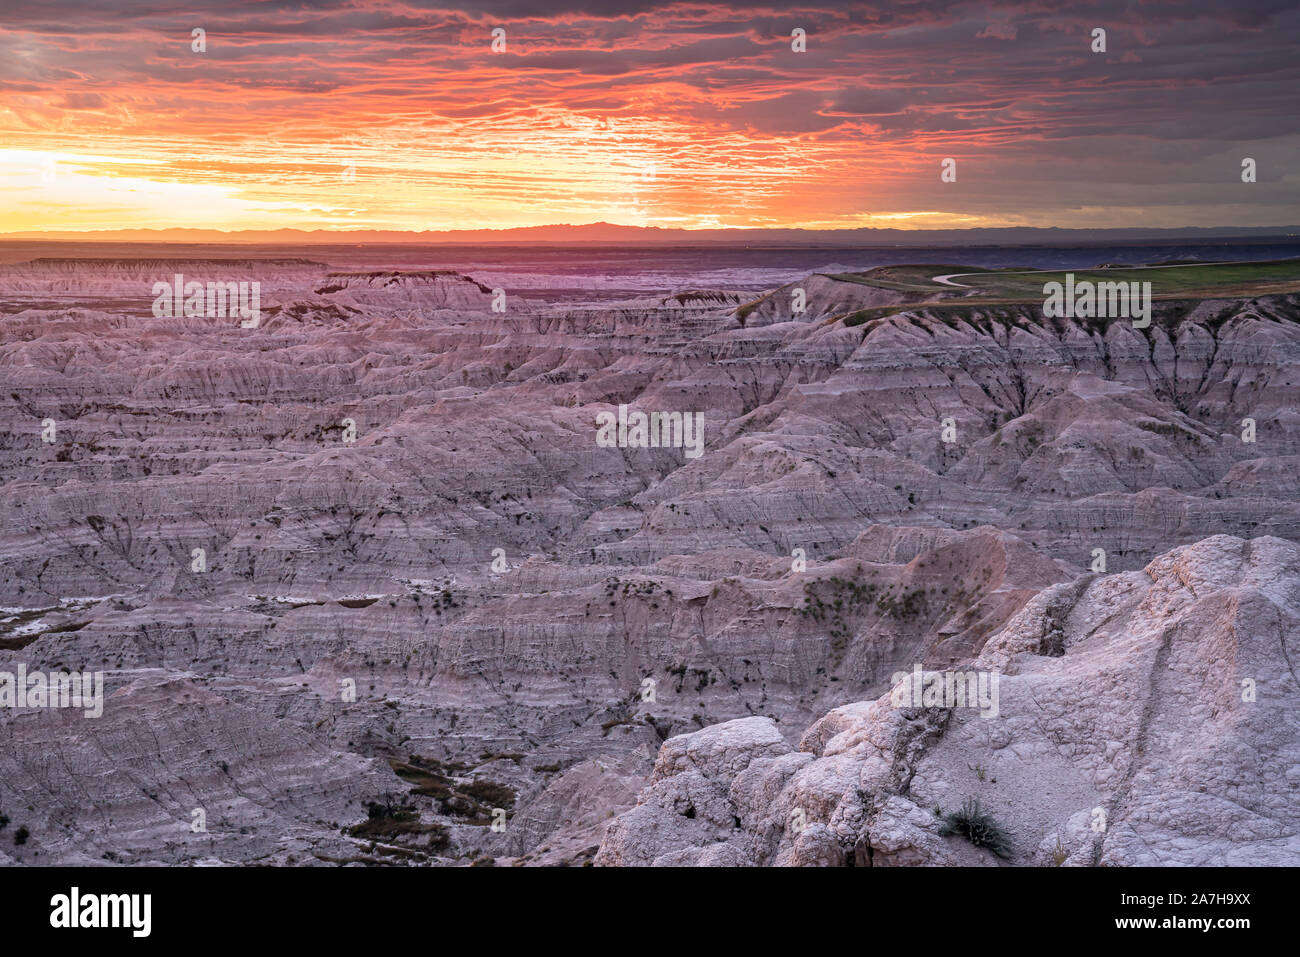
(978, 828)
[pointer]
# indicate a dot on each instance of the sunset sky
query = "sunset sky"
(399, 115)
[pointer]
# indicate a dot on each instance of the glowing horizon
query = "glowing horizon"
(401, 117)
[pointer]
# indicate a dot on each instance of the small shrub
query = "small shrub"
(1059, 854)
(439, 838)
(978, 828)
(20, 836)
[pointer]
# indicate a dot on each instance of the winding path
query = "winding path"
(946, 279)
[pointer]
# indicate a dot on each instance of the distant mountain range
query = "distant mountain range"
(606, 233)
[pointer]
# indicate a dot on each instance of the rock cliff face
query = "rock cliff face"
(1144, 718)
(390, 487)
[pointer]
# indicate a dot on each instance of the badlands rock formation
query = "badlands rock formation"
(1145, 718)
(388, 488)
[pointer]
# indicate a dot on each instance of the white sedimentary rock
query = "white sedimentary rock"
(1147, 718)
(389, 490)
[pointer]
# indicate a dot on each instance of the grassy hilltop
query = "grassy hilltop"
(973, 286)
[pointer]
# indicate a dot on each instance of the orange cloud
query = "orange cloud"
(403, 117)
